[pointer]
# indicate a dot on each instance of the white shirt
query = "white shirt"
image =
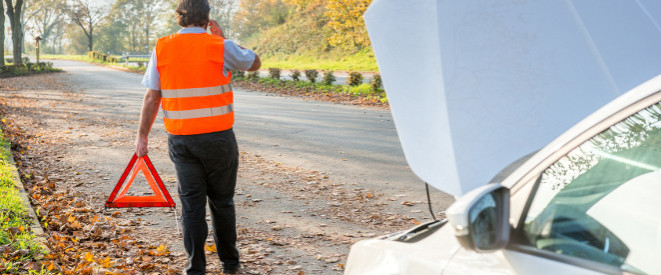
(235, 59)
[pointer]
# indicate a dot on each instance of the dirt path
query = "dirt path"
(291, 220)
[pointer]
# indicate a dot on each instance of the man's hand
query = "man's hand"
(141, 146)
(216, 29)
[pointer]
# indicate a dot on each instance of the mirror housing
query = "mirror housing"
(481, 218)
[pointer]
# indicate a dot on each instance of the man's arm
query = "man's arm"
(255, 64)
(217, 30)
(149, 112)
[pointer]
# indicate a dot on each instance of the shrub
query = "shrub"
(102, 57)
(9, 60)
(377, 83)
(253, 75)
(355, 79)
(311, 75)
(26, 59)
(275, 73)
(238, 74)
(328, 78)
(361, 89)
(46, 66)
(295, 75)
(27, 68)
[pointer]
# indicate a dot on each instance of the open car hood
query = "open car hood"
(475, 85)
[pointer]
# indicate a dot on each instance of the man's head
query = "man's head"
(193, 13)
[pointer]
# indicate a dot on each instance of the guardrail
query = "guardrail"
(127, 58)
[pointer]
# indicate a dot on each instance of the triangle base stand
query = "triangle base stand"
(161, 197)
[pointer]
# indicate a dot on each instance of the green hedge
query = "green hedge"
(26, 69)
(102, 57)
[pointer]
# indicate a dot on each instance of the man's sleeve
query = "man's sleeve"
(237, 58)
(152, 79)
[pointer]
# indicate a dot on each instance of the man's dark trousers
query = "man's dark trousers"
(206, 167)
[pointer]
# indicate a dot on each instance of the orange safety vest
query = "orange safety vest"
(196, 96)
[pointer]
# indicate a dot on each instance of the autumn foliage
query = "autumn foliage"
(303, 27)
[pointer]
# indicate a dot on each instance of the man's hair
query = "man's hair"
(193, 12)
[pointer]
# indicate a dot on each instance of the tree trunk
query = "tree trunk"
(17, 40)
(2, 33)
(90, 38)
(14, 12)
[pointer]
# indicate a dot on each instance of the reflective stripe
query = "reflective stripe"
(194, 92)
(198, 113)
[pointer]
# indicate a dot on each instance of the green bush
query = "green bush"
(253, 75)
(377, 83)
(355, 79)
(295, 75)
(27, 68)
(311, 75)
(328, 78)
(275, 73)
(361, 89)
(94, 55)
(11, 60)
(238, 74)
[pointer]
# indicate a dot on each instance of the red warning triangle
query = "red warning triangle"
(161, 197)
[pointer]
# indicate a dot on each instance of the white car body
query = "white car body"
(441, 253)
(475, 85)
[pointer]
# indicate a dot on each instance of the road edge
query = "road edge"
(35, 226)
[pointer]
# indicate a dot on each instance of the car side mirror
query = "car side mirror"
(481, 218)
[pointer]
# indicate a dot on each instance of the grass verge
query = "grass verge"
(18, 246)
(86, 58)
(362, 61)
(11, 70)
(362, 94)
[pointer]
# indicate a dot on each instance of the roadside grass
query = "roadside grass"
(363, 91)
(366, 91)
(17, 242)
(362, 61)
(11, 70)
(86, 58)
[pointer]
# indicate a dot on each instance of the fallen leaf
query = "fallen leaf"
(210, 248)
(89, 257)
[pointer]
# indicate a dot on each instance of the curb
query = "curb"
(35, 226)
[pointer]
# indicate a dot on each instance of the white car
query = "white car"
(588, 201)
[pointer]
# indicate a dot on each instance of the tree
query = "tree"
(43, 18)
(254, 15)
(347, 24)
(2, 32)
(86, 14)
(223, 11)
(138, 18)
(14, 12)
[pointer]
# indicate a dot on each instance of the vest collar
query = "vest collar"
(192, 30)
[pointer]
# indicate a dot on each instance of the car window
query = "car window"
(602, 201)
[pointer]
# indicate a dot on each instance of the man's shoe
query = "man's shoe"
(231, 270)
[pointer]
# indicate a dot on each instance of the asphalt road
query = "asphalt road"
(354, 145)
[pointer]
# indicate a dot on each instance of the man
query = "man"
(189, 73)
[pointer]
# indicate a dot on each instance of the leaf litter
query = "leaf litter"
(308, 236)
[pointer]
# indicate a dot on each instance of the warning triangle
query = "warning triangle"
(160, 197)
